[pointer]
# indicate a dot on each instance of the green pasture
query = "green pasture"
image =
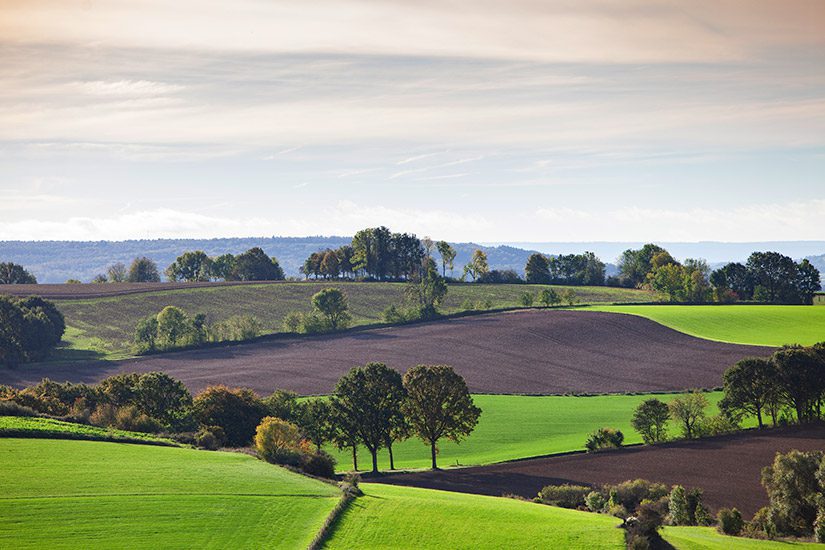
(708, 538)
(760, 325)
(405, 517)
(103, 327)
(517, 426)
(26, 426)
(82, 494)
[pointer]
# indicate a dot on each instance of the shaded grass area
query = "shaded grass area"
(405, 517)
(81, 494)
(516, 426)
(103, 327)
(761, 325)
(708, 538)
(26, 426)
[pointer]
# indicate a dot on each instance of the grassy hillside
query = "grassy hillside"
(708, 538)
(105, 326)
(765, 325)
(404, 517)
(81, 494)
(24, 426)
(513, 426)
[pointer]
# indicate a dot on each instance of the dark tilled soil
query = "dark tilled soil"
(63, 291)
(530, 352)
(727, 468)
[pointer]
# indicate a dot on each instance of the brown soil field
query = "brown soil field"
(63, 291)
(524, 352)
(727, 468)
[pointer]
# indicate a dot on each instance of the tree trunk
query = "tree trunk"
(432, 453)
(374, 460)
(759, 416)
(355, 458)
(392, 462)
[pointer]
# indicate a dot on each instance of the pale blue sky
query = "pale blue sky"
(486, 121)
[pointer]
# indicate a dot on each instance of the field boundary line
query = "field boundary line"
(330, 522)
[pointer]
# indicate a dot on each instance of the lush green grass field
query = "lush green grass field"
(516, 426)
(708, 538)
(82, 494)
(25, 426)
(104, 327)
(761, 325)
(405, 517)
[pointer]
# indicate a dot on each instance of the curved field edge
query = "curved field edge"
(708, 538)
(49, 428)
(546, 425)
(95, 330)
(404, 517)
(755, 325)
(70, 494)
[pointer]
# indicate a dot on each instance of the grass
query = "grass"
(708, 538)
(25, 426)
(761, 325)
(103, 327)
(515, 426)
(405, 517)
(81, 494)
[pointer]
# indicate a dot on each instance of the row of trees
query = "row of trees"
(252, 265)
(765, 277)
(569, 269)
(791, 380)
(30, 328)
(172, 328)
(141, 270)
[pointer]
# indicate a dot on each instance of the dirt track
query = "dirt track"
(727, 468)
(531, 352)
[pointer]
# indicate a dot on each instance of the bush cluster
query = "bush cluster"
(172, 329)
(604, 438)
(30, 328)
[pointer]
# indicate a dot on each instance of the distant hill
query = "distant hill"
(57, 261)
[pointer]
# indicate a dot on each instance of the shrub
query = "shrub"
(679, 511)
(210, 437)
(279, 442)
(312, 323)
(319, 464)
(604, 438)
(549, 297)
(293, 322)
(281, 404)
(717, 425)
(10, 408)
(237, 329)
(526, 299)
(595, 501)
(630, 494)
(565, 496)
(130, 418)
(237, 411)
(730, 521)
(819, 526)
(761, 524)
(643, 529)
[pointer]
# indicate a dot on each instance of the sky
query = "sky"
(465, 120)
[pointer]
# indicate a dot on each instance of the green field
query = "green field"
(103, 327)
(28, 426)
(81, 494)
(405, 517)
(761, 325)
(708, 538)
(516, 426)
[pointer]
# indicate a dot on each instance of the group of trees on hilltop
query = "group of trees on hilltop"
(141, 270)
(565, 269)
(29, 329)
(252, 265)
(765, 277)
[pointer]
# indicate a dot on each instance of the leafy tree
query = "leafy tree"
(549, 297)
(569, 296)
(330, 266)
(237, 410)
(278, 441)
(734, 277)
(807, 281)
(750, 386)
(604, 438)
(576, 269)
(11, 332)
(174, 327)
(794, 490)
(801, 374)
(13, 274)
(332, 304)
(161, 396)
(344, 431)
(689, 410)
(678, 505)
(668, 280)
(190, 267)
(438, 405)
(478, 265)
(143, 270)
(117, 273)
(369, 398)
(634, 265)
(222, 267)
(730, 521)
(283, 404)
(526, 299)
(255, 265)
(29, 328)
(775, 274)
(448, 255)
(427, 291)
(313, 417)
(537, 269)
(146, 334)
(650, 420)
